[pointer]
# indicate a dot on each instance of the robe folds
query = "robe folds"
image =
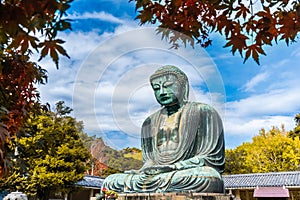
(199, 157)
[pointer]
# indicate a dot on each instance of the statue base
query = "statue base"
(174, 196)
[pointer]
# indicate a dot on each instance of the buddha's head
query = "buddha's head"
(170, 86)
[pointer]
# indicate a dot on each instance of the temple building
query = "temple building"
(260, 186)
(264, 186)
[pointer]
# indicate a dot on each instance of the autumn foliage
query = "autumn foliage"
(18, 95)
(248, 26)
(25, 26)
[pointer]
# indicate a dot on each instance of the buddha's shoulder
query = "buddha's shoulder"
(199, 106)
(151, 117)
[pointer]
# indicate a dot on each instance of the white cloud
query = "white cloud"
(245, 117)
(242, 129)
(103, 16)
(296, 52)
(251, 127)
(250, 85)
(275, 102)
(61, 82)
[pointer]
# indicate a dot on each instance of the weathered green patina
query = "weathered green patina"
(182, 143)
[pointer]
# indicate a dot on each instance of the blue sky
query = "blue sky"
(106, 79)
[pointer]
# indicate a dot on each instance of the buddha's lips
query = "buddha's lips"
(164, 98)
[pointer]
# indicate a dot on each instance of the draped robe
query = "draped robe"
(199, 156)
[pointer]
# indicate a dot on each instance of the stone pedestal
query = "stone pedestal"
(174, 196)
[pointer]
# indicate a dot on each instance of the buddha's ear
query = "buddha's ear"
(184, 90)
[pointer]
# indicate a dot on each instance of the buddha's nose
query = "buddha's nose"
(162, 91)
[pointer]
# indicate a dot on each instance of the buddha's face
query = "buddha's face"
(166, 89)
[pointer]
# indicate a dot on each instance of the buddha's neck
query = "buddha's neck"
(171, 109)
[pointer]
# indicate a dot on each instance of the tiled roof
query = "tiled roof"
(91, 182)
(272, 179)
